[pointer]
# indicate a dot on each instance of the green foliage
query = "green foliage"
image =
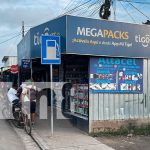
(124, 131)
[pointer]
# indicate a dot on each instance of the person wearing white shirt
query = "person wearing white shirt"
(12, 94)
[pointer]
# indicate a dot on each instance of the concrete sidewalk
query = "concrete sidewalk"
(66, 137)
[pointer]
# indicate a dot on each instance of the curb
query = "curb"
(39, 141)
(30, 143)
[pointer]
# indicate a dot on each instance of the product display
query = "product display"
(79, 99)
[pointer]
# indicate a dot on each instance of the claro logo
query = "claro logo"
(144, 40)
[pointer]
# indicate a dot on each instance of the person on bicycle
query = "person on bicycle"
(29, 93)
(12, 95)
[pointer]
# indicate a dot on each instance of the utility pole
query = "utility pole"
(114, 5)
(22, 29)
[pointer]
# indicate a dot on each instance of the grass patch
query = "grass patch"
(124, 131)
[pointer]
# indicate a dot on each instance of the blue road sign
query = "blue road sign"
(50, 50)
(26, 64)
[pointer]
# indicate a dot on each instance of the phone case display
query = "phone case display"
(79, 99)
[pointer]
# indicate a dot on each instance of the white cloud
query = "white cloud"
(34, 12)
(13, 12)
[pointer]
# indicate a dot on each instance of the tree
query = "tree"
(147, 22)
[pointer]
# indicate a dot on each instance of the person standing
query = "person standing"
(29, 94)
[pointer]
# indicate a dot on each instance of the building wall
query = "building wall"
(24, 48)
(12, 60)
(115, 110)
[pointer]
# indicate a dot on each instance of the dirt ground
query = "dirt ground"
(127, 143)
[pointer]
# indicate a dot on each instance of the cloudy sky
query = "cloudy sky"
(34, 12)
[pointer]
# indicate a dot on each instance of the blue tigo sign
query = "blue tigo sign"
(107, 38)
(26, 63)
(116, 75)
(50, 50)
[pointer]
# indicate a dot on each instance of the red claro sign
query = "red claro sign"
(14, 69)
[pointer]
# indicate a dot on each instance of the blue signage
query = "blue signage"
(89, 36)
(26, 64)
(50, 50)
(107, 38)
(55, 27)
(116, 75)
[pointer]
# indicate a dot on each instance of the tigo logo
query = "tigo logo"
(144, 40)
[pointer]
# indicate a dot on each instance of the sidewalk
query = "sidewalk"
(66, 136)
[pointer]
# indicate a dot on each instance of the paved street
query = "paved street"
(9, 139)
(66, 136)
(12, 138)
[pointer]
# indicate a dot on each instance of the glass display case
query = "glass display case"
(79, 99)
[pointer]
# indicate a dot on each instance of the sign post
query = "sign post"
(50, 54)
(52, 113)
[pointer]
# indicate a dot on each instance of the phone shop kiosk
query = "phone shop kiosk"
(106, 65)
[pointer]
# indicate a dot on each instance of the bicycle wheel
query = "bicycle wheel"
(17, 119)
(27, 124)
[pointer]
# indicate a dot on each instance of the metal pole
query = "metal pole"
(18, 75)
(22, 29)
(31, 69)
(52, 121)
(114, 10)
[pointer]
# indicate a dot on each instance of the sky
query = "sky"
(34, 12)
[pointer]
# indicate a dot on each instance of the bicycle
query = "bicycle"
(26, 115)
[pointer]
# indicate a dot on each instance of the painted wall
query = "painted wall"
(12, 60)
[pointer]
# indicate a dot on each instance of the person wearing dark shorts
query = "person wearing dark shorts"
(33, 97)
(33, 107)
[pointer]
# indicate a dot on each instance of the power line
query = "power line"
(4, 35)
(11, 38)
(13, 33)
(77, 7)
(96, 10)
(138, 2)
(139, 10)
(17, 38)
(88, 7)
(127, 12)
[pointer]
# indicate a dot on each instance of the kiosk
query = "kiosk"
(107, 64)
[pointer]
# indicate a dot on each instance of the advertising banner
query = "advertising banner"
(107, 38)
(116, 75)
(55, 27)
